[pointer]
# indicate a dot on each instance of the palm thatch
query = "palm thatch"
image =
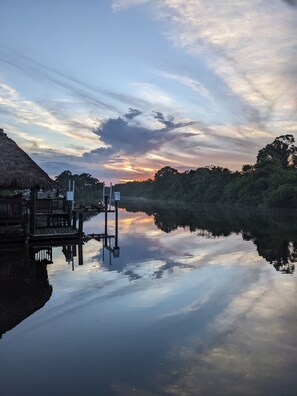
(17, 170)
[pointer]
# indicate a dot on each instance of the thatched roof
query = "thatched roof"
(17, 169)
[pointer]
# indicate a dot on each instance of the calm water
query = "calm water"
(199, 302)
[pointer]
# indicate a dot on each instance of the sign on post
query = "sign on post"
(117, 196)
(70, 195)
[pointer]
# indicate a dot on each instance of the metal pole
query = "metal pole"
(73, 186)
(103, 192)
(116, 224)
(110, 195)
(105, 208)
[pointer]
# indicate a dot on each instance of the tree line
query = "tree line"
(271, 181)
(87, 187)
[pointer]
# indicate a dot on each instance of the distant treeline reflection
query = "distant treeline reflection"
(273, 231)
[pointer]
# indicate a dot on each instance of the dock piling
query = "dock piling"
(80, 223)
(74, 218)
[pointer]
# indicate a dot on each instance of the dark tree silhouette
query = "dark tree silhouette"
(281, 149)
(85, 184)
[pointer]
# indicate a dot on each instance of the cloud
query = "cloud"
(229, 89)
(250, 45)
(238, 344)
(132, 114)
(139, 152)
(154, 96)
(79, 89)
(129, 139)
(133, 138)
(35, 116)
(119, 5)
(292, 3)
(54, 162)
(82, 92)
(104, 163)
(192, 83)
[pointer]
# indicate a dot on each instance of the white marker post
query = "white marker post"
(103, 192)
(117, 197)
(73, 190)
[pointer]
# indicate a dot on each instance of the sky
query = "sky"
(122, 88)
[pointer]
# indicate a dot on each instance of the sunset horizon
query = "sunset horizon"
(122, 88)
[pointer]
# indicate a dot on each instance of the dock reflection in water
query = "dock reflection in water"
(24, 285)
(199, 302)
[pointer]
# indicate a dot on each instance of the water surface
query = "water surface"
(200, 302)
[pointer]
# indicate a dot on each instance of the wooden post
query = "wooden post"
(69, 210)
(74, 219)
(80, 223)
(26, 225)
(32, 210)
(80, 254)
(74, 251)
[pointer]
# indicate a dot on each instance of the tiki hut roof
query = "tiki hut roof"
(17, 170)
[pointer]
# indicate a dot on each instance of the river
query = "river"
(200, 301)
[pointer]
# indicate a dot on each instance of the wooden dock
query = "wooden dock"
(50, 220)
(54, 233)
(11, 233)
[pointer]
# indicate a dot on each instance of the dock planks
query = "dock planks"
(55, 233)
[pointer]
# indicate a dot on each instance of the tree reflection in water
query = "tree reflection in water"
(273, 231)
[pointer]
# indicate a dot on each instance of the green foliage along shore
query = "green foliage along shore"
(272, 181)
(87, 187)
